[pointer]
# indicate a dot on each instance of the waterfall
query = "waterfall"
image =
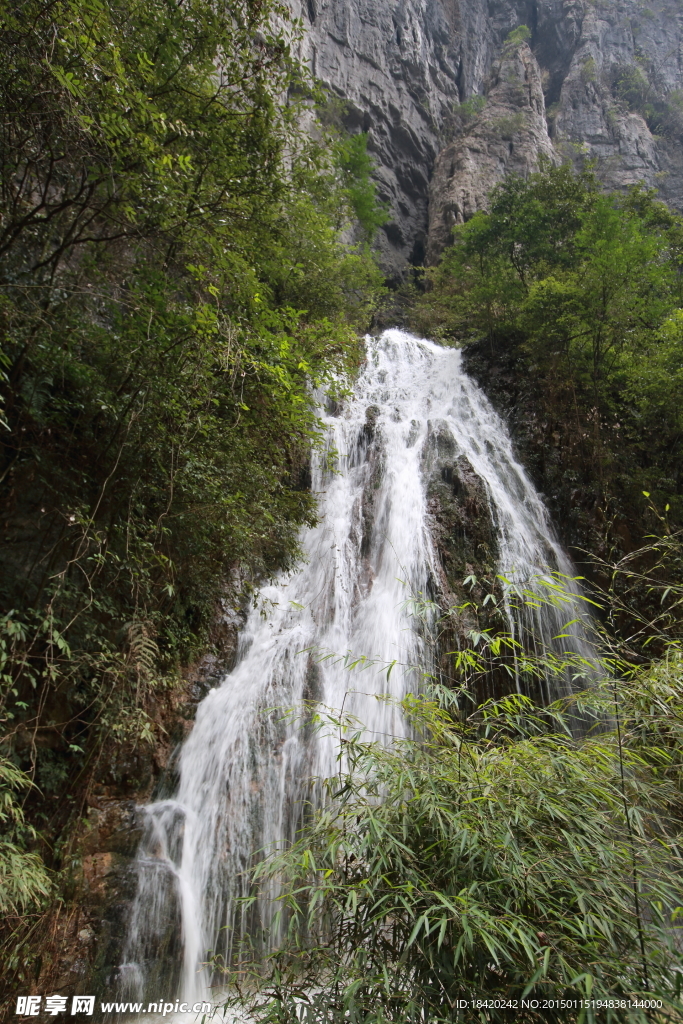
(245, 767)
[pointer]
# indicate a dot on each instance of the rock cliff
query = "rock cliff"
(398, 66)
(508, 136)
(601, 80)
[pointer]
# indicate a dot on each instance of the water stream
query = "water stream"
(244, 769)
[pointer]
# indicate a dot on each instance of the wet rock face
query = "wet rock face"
(466, 548)
(462, 527)
(607, 71)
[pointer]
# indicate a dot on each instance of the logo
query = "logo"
(30, 1006)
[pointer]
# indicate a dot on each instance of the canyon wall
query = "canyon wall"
(450, 107)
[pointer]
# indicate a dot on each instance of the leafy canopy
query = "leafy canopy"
(584, 290)
(174, 291)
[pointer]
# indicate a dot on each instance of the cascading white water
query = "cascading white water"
(245, 769)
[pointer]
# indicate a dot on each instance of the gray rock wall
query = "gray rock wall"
(618, 102)
(508, 136)
(397, 65)
(406, 66)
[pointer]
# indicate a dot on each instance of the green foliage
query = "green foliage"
(642, 597)
(497, 854)
(610, 304)
(508, 126)
(519, 35)
(633, 87)
(472, 107)
(490, 857)
(483, 279)
(355, 165)
(174, 291)
(585, 288)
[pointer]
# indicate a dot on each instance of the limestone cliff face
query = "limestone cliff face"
(600, 80)
(510, 135)
(403, 66)
(619, 103)
(396, 65)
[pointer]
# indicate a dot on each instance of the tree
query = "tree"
(579, 291)
(174, 291)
